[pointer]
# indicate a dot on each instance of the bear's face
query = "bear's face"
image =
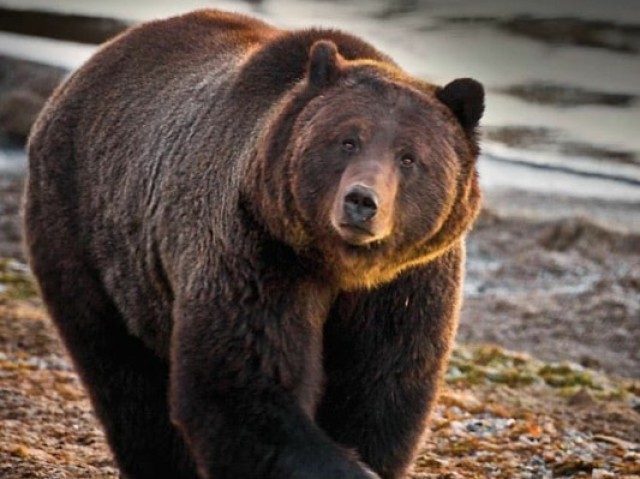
(376, 174)
(374, 166)
(379, 171)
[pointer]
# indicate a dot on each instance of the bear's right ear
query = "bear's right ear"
(324, 63)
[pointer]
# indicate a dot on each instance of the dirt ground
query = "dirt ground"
(547, 282)
(557, 284)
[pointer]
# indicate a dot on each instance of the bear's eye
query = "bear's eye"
(349, 145)
(407, 161)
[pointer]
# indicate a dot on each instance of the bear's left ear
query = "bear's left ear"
(324, 63)
(465, 98)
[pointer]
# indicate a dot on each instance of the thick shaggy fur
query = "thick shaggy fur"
(185, 219)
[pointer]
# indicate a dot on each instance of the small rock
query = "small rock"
(461, 399)
(601, 474)
(582, 399)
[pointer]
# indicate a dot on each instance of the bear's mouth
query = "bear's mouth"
(356, 235)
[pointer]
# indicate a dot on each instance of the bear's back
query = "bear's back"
(156, 54)
(147, 96)
(168, 77)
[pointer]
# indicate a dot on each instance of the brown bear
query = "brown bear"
(251, 242)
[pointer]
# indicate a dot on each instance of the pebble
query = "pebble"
(601, 474)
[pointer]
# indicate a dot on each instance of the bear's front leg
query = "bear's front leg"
(245, 377)
(385, 351)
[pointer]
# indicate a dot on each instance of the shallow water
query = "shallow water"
(562, 77)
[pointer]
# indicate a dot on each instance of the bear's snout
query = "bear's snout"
(363, 206)
(362, 214)
(360, 205)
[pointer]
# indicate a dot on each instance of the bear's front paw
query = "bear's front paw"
(368, 472)
(318, 464)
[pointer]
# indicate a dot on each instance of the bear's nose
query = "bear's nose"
(360, 204)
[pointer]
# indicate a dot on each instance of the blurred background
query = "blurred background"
(554, 261)
(544, 380)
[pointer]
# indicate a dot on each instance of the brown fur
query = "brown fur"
(233, 309)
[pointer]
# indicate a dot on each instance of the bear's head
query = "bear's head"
(369, 171)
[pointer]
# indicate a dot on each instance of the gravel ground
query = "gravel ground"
(500, 414)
